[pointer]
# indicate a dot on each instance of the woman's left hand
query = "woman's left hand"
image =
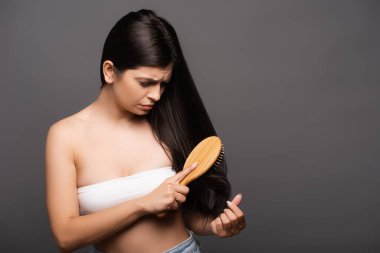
(231, 221)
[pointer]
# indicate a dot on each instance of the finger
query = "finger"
(213, 226)
(180, 198)
(237, 199)
(183, 189)
(219, 226)
(225, 222)
(233, 219)
(238, 212)
(183, 173)
(174, 205)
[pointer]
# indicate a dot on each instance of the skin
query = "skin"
(110, 138)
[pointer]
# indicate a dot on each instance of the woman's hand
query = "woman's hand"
(231, 221)
(169, 195)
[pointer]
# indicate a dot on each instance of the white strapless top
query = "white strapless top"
(96, 197)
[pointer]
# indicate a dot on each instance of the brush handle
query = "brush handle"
(206, 153)
(163, 213)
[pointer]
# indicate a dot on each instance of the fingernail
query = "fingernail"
(241, 195)
(229, 202)
(194, 165)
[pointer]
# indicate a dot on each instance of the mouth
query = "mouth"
(147, 107)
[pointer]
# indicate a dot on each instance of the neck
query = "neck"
(107, 108)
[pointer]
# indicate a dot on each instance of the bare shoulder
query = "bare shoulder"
(60, 172)
(61, 142)
(62, 128)
(66, 129)
(68, 123)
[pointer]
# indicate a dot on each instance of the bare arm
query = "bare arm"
(76, 232)
(229, 223)
(199, 224)
(70, 230)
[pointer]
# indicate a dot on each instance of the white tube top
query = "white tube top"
(96, 197)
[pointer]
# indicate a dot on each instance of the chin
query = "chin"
(141, 112)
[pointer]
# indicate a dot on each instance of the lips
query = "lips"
(147, 107)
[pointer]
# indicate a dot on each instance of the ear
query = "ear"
(108, 71)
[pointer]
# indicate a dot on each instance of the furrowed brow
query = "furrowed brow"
(151, 80)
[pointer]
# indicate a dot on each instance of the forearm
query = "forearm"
(88, 229)
(199, 224)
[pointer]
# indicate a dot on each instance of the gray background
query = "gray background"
(292, 88)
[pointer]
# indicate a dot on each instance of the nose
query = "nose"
(155, 92)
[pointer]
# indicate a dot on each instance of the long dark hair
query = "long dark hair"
(179, 119)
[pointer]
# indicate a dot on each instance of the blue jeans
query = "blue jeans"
(190, 245)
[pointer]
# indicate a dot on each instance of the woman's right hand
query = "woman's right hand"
(169, 194)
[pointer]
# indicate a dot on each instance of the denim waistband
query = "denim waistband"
(190, 245)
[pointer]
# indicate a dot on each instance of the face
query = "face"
(137, 90)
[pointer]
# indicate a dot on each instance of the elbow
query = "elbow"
(193, 228)
(188, 225)
(200, 225)
(65, 241)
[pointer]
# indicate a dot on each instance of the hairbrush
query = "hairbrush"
(208, 153)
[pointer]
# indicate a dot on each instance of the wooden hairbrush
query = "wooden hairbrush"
(207, 153)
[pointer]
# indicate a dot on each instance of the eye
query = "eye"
(163, 84)
(143, 84)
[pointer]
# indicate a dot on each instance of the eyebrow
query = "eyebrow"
(151, 80)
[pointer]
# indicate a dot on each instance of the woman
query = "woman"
(116, 164)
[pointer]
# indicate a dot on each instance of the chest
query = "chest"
(102, 154)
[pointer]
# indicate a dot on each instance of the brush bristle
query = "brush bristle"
(220, 157)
